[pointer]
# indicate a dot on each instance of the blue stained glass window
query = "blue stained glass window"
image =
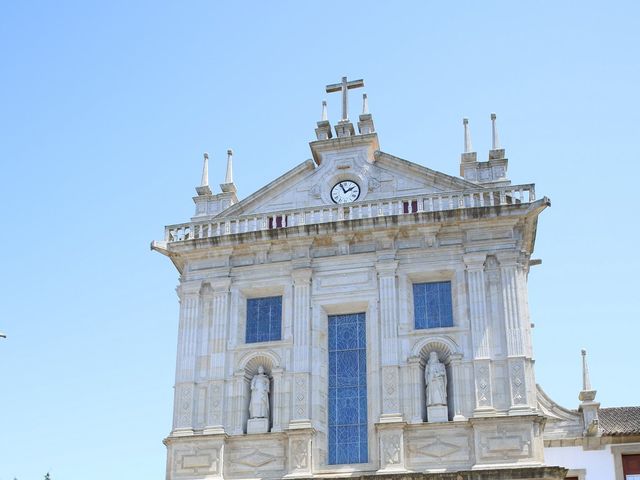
(347, 389)
(432, 305)
(264, 319)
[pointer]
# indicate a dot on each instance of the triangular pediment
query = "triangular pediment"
(379, 176)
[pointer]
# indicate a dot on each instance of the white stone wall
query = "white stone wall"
(597, 464)
(365, 265)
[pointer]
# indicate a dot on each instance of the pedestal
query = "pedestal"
(258, 425)
(437, 413)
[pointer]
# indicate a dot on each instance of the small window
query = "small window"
(277, 222)
(432, 305)
(264, 319)
(631, 467)
(410, 207)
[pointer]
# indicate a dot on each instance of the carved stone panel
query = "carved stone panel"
(256, 456)
(503, 442)
(191, 460)
(429, 447)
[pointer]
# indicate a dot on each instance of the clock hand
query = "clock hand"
(347, 191)
(342, 187)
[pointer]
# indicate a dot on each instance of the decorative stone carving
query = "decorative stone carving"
(435, 377)
(259, 403)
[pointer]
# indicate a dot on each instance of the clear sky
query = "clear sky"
(106, 108)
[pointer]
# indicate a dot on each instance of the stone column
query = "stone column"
(416, 393)
(300, 403)
(455, 362)
(388, 298)
(480, 332)
(277, 403)
(217, 345)
(517, 363)
(188, 293)
(238, 402)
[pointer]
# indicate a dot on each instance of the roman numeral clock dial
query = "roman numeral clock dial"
(345, 191)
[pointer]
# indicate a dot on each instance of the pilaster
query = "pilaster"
(480, 332)
(299, 456)
(516, 338)
(391, 445)
(388, 298)
(301, 346)
(188, 293)
(416, 391)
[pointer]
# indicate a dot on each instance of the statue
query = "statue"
(259, 403)
(435, 377)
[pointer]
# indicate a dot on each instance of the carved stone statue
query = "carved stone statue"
(435, 377)
(259, 403)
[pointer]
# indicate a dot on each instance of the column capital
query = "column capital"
(386, 267)
(220, 285)
(475, 260)
(189, 288)
(509, 258)
(301, 276)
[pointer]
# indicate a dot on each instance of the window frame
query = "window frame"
(618, 451)
(413, 284)
(246, 320)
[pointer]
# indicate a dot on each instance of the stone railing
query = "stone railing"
(436, 202)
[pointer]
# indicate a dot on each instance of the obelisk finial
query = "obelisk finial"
(586, 381)
(204, 189)
(365, 104)
(229, 176)
(495, 142)
(204, 182)
(324, 111)
(467, 136)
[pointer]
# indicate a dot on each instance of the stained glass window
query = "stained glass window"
(264, 319)
(347, 389)
(432, 305)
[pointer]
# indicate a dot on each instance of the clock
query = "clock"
(345, 191)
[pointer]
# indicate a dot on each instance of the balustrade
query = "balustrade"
(485, 197)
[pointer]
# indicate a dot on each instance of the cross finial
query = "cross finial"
(344, 87)
(467, 136)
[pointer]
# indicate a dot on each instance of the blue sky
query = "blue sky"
(106, 108)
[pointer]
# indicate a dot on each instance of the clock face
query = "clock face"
(345, 191)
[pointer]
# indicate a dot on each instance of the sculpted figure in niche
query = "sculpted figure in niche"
(259, 403)
(435, 377)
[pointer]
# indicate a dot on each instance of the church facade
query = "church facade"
(360, 315)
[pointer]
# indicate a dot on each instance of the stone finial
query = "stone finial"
(586, 381)
(365, 104)
(205, 171)
(495, 142)
(588, 406)
(204, 188)
(467, 136)
(229, 176)
(228, 185)
(324, 111)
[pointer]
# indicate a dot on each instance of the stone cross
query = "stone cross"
(344, 86)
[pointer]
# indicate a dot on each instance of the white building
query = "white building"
(340, 280)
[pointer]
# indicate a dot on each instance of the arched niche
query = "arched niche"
(249, 365)
(446, 348)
